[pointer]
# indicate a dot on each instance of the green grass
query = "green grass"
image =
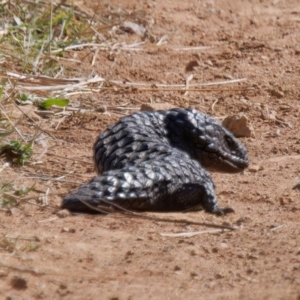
(32, 247)
(16, 152)
(24, 190)
(48, 103)
(9, 196)
(33, 30)
(7, 244)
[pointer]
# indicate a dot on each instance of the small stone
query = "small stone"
(191, 66)
(167, 248)
(238, 125)
(215, 250)
(129, 253)
(219, 275)
(209, 62)
(156, 106)
(3, 273)
(254, 168)
(66, 229)
(268, 113)
(254, 21)
(285, 200)
(193, 253)
(63, 213)
(177, 268)
(62, 286)
(296, 267)
(276, 93)
(297, 51)
(131, 27)
(243, 220)
(194, 274)
(252, 256)
(228, 76)
(18, 283)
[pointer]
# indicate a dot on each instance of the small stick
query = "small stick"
(277, 227)
(35, 123)
(38, 205)
(12, 124)
(193, 48)
(22, 269)
(213, 105)
(59, 122)
(192, 233)
(187, 84)
(171, 90)
(95, 57)
(179, 85)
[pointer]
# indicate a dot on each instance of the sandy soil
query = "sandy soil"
(44, 256)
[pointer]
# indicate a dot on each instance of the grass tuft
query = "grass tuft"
(16, 152)
(7, 244)
(32, 247)
(24, 190)
(33, 30)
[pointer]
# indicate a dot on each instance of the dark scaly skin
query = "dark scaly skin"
(160, 161)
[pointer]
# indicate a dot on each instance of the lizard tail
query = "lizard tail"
(133, 189)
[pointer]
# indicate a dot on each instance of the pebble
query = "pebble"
(63, 213)
(254, 168)
(156, 106)
(177, 268)
(238, 125)
(276, 93)
(66, 229)
(18, 283)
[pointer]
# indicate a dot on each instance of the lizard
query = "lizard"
(160, 161)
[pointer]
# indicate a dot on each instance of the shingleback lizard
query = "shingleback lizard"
(160, 161)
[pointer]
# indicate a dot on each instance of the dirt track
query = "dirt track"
(113, 257)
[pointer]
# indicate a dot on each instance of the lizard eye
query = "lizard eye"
(229, 142)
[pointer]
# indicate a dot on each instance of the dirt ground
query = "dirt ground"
(46, 256)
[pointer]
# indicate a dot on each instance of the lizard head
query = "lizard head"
(207, 141)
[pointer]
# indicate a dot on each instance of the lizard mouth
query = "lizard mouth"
(221, 164)
(233, 167)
